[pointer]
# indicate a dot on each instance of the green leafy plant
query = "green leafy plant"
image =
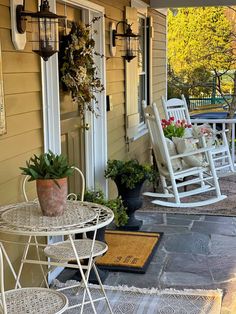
(116, 205)
(47, 166)
(129, 172)
(78, 71)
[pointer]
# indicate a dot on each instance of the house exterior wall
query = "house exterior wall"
(118, 148)
(23, 105)
(159, 58)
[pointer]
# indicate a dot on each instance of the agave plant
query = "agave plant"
(47, 166)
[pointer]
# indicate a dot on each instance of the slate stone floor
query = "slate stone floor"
(195, 251)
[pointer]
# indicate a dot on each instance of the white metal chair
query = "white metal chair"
(86, 248)
(199, 180)
(29, 300)
(178, 109)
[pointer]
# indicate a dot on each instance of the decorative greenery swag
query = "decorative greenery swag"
(78, 71)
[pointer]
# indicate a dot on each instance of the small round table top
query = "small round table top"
(26, 219)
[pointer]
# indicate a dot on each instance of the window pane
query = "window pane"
(141, 55)
(141, 94)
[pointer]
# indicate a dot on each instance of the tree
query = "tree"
(199, 45)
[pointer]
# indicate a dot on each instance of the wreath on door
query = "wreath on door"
(77, 68)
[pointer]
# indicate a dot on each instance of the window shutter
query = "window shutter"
(131, 82)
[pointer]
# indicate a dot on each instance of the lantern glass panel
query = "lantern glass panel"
(45, 36)
(131, 46)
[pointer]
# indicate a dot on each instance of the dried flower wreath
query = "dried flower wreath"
(78, 71)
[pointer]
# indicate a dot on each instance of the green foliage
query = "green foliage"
(199, 42)
(47, 166)
(116, 205)
(78, 71)
(130, 172)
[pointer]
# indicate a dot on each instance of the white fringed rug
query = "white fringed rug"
(131, 300)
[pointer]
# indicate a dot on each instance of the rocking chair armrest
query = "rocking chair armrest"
(221, 132)
(193, 152)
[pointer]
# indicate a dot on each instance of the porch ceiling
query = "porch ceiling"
(157, 4)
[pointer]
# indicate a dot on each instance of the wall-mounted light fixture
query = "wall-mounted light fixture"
(45, 41)
(131, 40)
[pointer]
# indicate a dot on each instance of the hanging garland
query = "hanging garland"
(78, 71)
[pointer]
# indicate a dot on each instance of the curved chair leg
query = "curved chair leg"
(195, 204)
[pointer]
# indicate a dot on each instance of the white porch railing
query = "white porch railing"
(221, 124)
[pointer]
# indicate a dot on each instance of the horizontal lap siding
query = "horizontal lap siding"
(24, 137)
(159, 57)
(115, 87)
(23, 106)
(115, 67)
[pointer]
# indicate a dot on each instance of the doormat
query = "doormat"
(132, 300)
(129, 251)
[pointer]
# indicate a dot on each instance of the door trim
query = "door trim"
(95, 159)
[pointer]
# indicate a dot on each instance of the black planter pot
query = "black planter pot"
(132, 200)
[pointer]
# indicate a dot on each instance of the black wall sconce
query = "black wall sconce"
(45, 40)
(131, 41)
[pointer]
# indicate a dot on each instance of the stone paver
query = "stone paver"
(188, 243)
(213, 228)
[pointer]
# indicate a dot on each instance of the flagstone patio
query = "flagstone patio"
(196, 251)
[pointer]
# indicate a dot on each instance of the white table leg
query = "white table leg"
(41, 266)
(26, 249)
(84, 279)
(10, 265)
(103, 290)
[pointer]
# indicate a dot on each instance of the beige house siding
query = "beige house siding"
(23, 106)
(23, 100)
(159, 52)
(22, 90)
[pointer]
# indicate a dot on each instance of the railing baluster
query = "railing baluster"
(225, 123)
(233, 144)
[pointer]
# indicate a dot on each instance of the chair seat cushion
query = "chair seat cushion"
(184, 145)
(63, 250)
(35, 301)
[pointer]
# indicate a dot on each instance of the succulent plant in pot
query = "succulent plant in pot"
(50, 172)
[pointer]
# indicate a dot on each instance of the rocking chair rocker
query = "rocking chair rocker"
(199, 180)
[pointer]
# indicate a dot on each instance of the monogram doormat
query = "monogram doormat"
(129, 251)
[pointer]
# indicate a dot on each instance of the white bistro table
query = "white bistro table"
(26, 219)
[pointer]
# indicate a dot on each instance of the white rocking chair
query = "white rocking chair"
(178, 109)
(199, 180)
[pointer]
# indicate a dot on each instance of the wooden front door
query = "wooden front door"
(72, 131)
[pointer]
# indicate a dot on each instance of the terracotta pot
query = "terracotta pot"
(52, 196)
